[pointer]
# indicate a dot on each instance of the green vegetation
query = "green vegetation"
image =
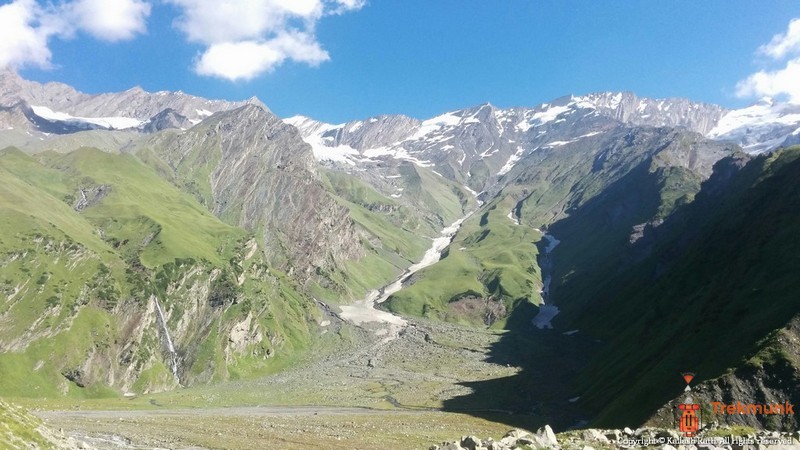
(579, 192)
(435, 194)
(191, 172)
(19, 429)
(145, 211)
(490, 258)
(77, 282)
(736, 430)
(718, 280)
(394, 234)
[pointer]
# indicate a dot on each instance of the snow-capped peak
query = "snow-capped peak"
(760, 127)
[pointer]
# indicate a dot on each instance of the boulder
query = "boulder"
(593, 435)
(613, 435)
(667, 434)
(547, 437)
(512, 437)
(471, 442)
(449, 446)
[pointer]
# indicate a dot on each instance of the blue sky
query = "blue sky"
(338, 60)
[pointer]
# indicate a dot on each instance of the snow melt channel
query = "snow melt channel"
(364, 310)
(546, 312)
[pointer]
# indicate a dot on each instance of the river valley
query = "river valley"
(374, 377)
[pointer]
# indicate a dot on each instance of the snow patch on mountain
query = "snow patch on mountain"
(111, 123)
(760, 127)
(512, 161)
(317, 134)
(436, 124)
(549, 114)
(312, 132)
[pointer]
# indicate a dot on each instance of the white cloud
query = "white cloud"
(237, 61)
(110, 20)
(23, 38)
(241, 38)
(300, 47)
(348, 5)
(775, 83)
(783, 82)
(246, 38)
(245, 60)
(26, 26)
(782, 45)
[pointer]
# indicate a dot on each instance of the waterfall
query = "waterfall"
(173, 363)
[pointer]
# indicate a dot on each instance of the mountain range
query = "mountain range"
(151, 240)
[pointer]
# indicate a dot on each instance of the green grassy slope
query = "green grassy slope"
(140, 203)
(76, 313)
(599, 187)
(489, 267)
(721, 277)
(393, 234)
(435, 195)
(19, 429)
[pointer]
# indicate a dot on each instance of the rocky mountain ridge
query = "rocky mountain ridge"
(185, 256)
(485, 142)
(59, 108)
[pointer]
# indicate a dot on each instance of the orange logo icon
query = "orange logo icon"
(689, 412)
(690, 419)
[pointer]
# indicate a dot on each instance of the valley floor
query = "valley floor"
(370, 389)
(266, 427)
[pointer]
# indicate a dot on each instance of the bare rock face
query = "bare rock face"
(263, 177)
(268, 178)
(168, 118)
(89, 195)
(669, 112)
